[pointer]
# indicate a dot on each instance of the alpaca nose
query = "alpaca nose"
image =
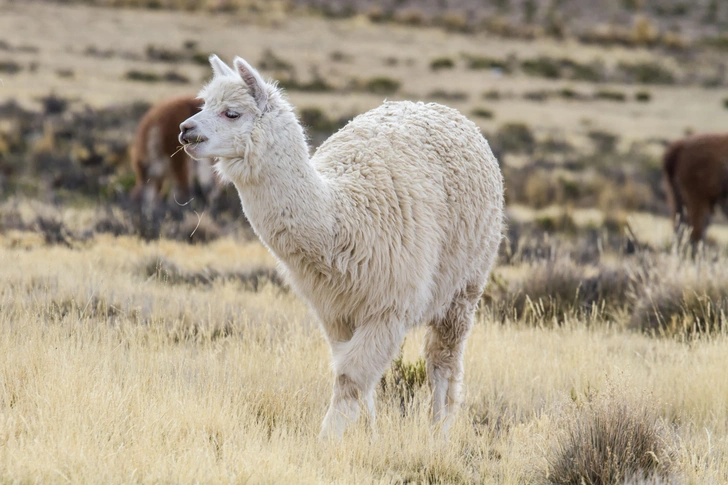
(186, 129)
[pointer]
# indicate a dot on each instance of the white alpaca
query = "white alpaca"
(394, 222)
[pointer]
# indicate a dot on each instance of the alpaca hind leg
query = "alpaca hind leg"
(699, 215)
(358, 365)
(444, 347)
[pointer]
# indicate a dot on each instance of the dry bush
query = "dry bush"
(410, 16)
(540, 188)
(515, 138)
(166, 271)
(193, 228)
(440, 63)
(644, 31)
(610, 439)
(403, 380)
(557, 288)
(454, 21)
(627, 195)
(676, 296)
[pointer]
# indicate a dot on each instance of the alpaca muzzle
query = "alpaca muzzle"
(189, 134)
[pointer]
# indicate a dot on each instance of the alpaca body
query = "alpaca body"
(412, 218)
(394, 222)
(156, 157)
(696, 176)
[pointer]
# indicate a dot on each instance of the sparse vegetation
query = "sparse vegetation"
(9, 67)
(610, 439)
(448, 96)
(643, 96)
(479, 62)
(482, 113)
(382, 85)
(516, 138)
(647, 73)
(607, 95)
(440, 63)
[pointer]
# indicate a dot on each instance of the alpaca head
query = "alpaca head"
(235, 99)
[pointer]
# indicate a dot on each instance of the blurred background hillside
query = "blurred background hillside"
(578, 99)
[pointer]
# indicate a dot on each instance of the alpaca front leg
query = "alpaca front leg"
(359, 364)
(344, 408)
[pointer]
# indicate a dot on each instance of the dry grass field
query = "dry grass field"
(175, 354)
(112, 375)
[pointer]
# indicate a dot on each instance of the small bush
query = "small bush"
(54, 231)
(557, 288)
(65, 73)
(142, 76)
(492, 95)
(644, 31)
(542, 67)
(642, 96)
(162, 54)
(568, 93)
(454, 21)
(200, 58)
(609, 440)
(166, 271)
(479, 62)
(10, 67)
(382, 85)
(482, 113)
(719, 42)
(649, 72)
(270, 61)
(316, 84)
(539, 95)
(403, 380)
(441, 94)
(441, 63)
(592, 72)
(563, 223)
(316, 119)
(338, 56)
(603, 141)
(725, 103)
(516, 138)
(680, 298)
(175, 77)
(410, 16)
(606, 95)
(376, 14)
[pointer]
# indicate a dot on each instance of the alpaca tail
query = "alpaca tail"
(669, 167)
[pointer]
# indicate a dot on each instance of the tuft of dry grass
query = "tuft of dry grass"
(610, 438)
(675, 296)
(558, 288)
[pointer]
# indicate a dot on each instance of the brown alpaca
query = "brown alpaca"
(156, 155)
(696, 176)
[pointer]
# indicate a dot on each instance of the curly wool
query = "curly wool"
(394, 222)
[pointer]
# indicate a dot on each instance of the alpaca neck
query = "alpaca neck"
(288, 203)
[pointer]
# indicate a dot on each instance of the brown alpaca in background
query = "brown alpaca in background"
(156, 156)
(696, 176)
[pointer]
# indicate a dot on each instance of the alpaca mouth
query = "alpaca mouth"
(197, 141)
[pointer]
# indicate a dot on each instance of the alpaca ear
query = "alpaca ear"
(219, 68)
(255, 82)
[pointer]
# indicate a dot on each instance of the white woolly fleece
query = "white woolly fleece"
(394, 222)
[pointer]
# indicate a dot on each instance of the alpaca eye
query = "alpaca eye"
(232, 115)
